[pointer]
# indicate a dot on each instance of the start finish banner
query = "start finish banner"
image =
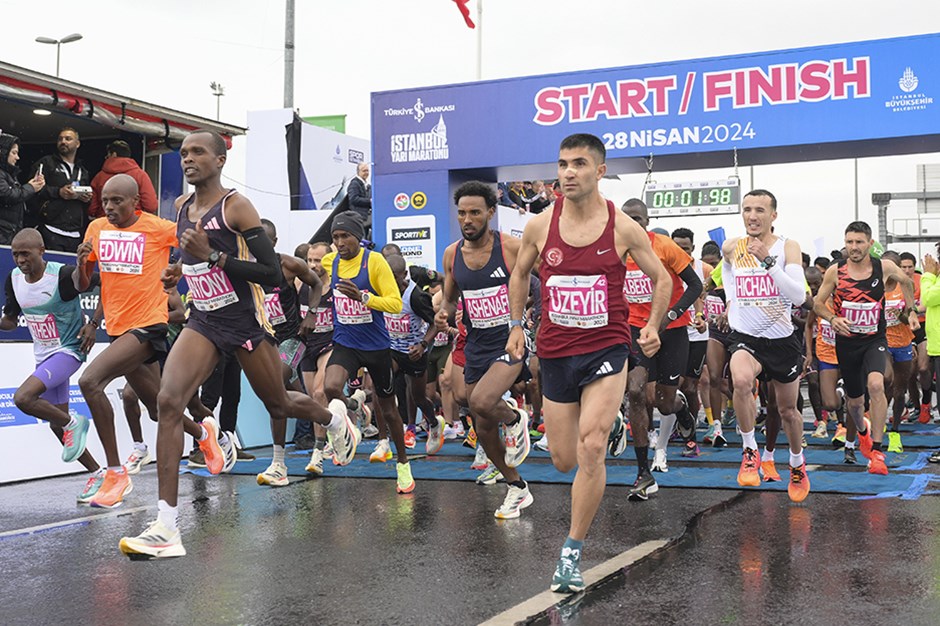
(847, 92)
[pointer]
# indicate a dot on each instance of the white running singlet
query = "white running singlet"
(755, 305)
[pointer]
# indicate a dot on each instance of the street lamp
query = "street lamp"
(58, 46)
(218, 91)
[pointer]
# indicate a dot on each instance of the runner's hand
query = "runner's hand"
(84, 249)
(348, 288)
(913, 322)
(308, 324)
(722, 322)
(930, 265)
(196, 242)
(841, 326)
(699, 323)
(515, 345)
(756, 247)
(649, 341)
(87, 334)
(171, 275)
(440, 320)
(415, 352)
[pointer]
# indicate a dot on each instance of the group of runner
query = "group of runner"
(589, 313)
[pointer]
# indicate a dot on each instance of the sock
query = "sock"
(167, 514)
(767, 455)
(642, 459)
(518, 483)
(320, 444)
(709, 416)
(336, 422)
(204, 435)
(863, 433)
(278, 454)
(876, 445)
(72, 422)
(796, 460)
(750, 441)
(572, 549)
(140, 446)
(666, 424)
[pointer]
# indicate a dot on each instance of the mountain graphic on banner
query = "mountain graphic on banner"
(305, 202)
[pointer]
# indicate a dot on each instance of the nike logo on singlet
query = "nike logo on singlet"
(600, 252)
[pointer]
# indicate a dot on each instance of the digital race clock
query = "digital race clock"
(713, 197)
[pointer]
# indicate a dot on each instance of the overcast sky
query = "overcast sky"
(168, 51)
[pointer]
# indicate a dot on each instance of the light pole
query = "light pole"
(218, 91)
(58, 46)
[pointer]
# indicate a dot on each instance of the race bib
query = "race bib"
(487, 307)
(755, 287)
(273, 309)
(863, 317)
(714, 307)
(577, 301)
(324, 320)
(398, 325)
(304, 308)
(44, 330)
(826, 333)
(441, 339)
(209, 287)
(893, 310)
(637, 287)
(349, 311)
(121, 252)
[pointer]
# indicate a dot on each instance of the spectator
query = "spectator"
(822, 264)
(502, 196)
(13, 195)
(62, 209)
(541, 197)
(119, 161)
(360, 194)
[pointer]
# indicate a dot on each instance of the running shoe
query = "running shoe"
(410, 439)
(728, 417)
(924, 417)
(450, 433)
(406, 483)
(653, 437)
(111, 494)
(328, 450)
(876, 463)
(305, 442)
(73, 439)
(211, 450)
(934, 458)
(92, 485)
(849, 456)
(659, 462)
(229, 453)
(490, 475)
(644, 486)
(517, 440)
(685, 422)
(719, 441)
(381, 453)
(274, 476)
(480, 462)
(458, 430)
(344, 442)
(617, 441)
(838, 439)
(157, 542)
(241, 455)
(769, 471)
(369, 431)
(709, 437)
(798, 488)
(315, 466)
(136, 460)
(516, 499)
(471, 439)
(360, 411)
(196, 458)
(542, 443)
(894, 442)
(691, 450)
(864, 441)
(820, 432)
(435, 437)
(748, 475)
(567, 577)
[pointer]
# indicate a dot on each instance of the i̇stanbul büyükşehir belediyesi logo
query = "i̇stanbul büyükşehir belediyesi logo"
(908, 101)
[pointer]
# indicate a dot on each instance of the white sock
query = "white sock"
(278, 454)
(767, 455)
(750, 441)
(336, 423)
(850, 445)
(666, 424)
(205, 433)
(796, 460)
(167, 514)
(140, 446)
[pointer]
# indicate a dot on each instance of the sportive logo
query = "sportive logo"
(908, 82)
(554, 257)
(417, 147)
(909, 100)
(410, 234)
(402, 201)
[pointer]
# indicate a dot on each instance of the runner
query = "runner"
(218, 229)
(899, 331)
(131, 249)
(857, 284)
(763, 278)
(477, 268)
(669, 363)
(717, 355)
(930, 299)
(923, 374)
(44, 292)
(584, 337)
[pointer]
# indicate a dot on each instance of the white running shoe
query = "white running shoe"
(542, 444)
(435, 440)
(275, 475)
(344, 442)
(382, 452)
(369, 431)
(360, 411)
(480, 461)
(659, 462)
(315, 466)
(136, 460)
(516, 500)
(490, 475)
(229, 452)
(517, 440)
(157, 541)
(617, 440)
(450, 433)
(653, 437)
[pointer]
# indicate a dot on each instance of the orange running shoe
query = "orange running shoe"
(798, 488)
(116, 485)
(410, 439)
(876, 463)
(748, 475)
(215, 458)
(769, 471)
(924, 417)
(864, 441)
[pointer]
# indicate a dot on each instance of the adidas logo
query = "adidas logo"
(212, 224)
(498, 273)
(505, 357)
(605, 368)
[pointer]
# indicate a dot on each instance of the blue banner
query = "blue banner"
(12, 416)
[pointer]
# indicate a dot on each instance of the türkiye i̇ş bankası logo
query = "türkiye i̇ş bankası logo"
(909, 100)
(421, 146)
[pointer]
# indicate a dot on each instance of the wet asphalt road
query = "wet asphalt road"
(352, 551)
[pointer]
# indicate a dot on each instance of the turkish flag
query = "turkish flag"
(462, 5)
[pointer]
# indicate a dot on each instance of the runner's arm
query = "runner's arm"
(826, 289)
(790, 279)
(388, 298)
(808, 338)
(929, 285)
(68, 290)
(295, 268)
(893, 272)
(448, 307)
(11, 308)
(421, 304)
(519, 280)
(693, 289)
(176, 307)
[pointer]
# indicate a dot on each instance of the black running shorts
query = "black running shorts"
(857, 359)
(564, 377)
(377, 362)
(667, 365)
(780, 359)
(697, 352)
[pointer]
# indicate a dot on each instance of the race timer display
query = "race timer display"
(694, 198)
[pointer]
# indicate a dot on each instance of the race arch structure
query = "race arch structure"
(867, 98)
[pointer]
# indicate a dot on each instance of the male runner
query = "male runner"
(899, 332)
(131, 248)
(44, 292)
(924, 372)
(477, 268)
(668, 364)
(857, 284)
(763, 278)
(716, 357)
(584, 337)
(363, 290)
(218, 229)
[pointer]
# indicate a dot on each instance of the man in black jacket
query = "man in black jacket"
(359, 193)
(61, 209)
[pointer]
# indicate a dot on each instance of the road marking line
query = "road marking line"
(70, 522)
(548, 599)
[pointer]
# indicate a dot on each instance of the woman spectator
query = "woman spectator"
(13, 195)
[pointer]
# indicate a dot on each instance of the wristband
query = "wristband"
(424, 344)
(94, 323)
(514, 323)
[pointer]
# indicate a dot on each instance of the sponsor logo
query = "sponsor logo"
(417, 147)
(410, 234)
(605, 368)
(498, 273)
(419, 200)
(338, 155)
(604, 251)
(402, 201)
(909, 100)
(419, 110)
(908, 81)
(356, 156)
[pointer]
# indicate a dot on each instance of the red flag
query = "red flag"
(462, 5)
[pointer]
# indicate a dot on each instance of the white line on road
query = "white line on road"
(71, 522)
